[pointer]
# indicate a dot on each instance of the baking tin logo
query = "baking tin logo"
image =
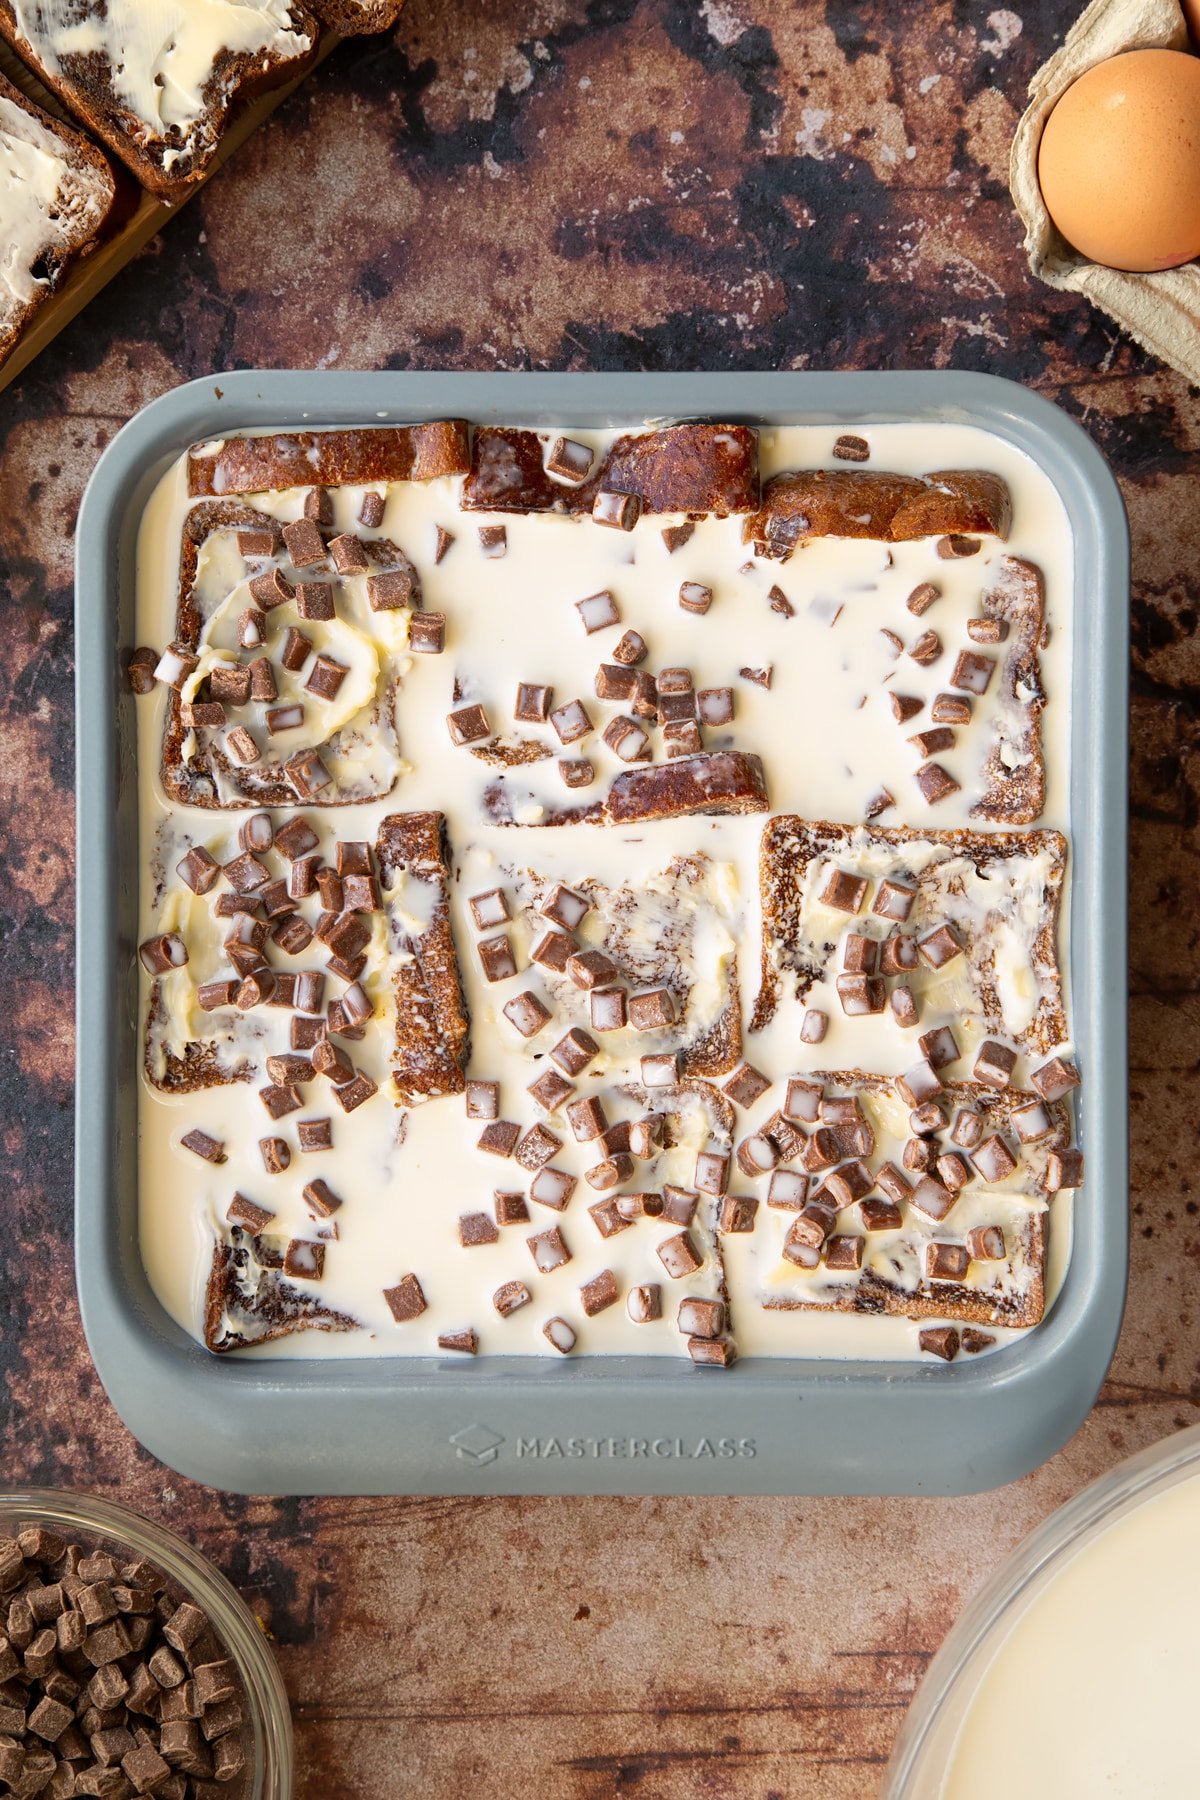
(477, 1444)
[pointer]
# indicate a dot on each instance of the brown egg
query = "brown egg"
(1119, 162)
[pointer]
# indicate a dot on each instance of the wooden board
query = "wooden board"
(143, 214)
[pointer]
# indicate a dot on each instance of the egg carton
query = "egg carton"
(1160, 310)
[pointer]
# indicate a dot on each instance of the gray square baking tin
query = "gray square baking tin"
(511, 1425)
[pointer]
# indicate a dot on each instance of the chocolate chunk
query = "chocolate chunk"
(427, 633)
(569, 459)
(746, 1085)
(779, 602)
(296, 839)
(939, 947)
(552, 1187)
(406, 1300)
(510, 1297)
(922, 598)
(537, 1147)
(350, 1095)
(326, 677)
(676, 536)
(275, 1154)
(279, 1100)
(994, 1064)
(202, 714)
(499, 1138)
(571, 721)
(162, 953)
(576, 772)
(814, 1026)
(695, 597)
(468, 725)
(303, 1260)
(304, 542)
(850, 448)
(1055, 1078)
(861, 994)
(1064, 1169)
(213, 994)
(679, 1256)
(483, 1099)
(621, 511)
(587, 1119)
(200, 1144)
(904, 707)
(630, 649)
(843, 891)
(973, 673)
(306, 774)
(313, 1136)
(711, 1174)
(175, 665)
(600, 1292)
(939, 1340)
(139, 670)
(465, 1341)
(949, 548)
(606, 1008)
(392, 589)
(597, 612)
(926, 649)
(993, 1160)
(349, 556)
(950, 709)
(550, 1090)
(575, 1051)
(946, 1262)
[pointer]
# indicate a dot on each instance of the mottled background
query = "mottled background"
(620, 184)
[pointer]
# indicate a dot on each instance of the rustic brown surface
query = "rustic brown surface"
(552, 183)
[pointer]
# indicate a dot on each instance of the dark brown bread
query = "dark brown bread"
(1014, 788)
(82, 209)
(869, 503)
(790, 843)
(717, 781)
(694, 468)
(256, 465)
(350, 18)
(248, 1301)
(171, 161)
(432, 1023)
(1023, 1301)
(194, 781)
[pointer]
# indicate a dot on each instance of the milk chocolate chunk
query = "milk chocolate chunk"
(676, 536)
(314, 600)
(814, 1026)
(1032, 1122)
(630, 649)
(371, 509)
(597, 612)
(321, 1200)
(468, 725)
(904, 707)
(477, 1228)
(607, 1219)
(252, 628)
(330, 1060)
(553, 950)
(843, 891)
(935, 783)
(652, 1009)
(352, 1094)
(711, 1174)
(549, 1250)
(953, 1172)
(499, 1137)
(950, 709)
(304, 542)
(574, 1051)
(210, 1149)
(349, 556)
(844, 1252)
(175, 665)
(931, 1198)
(939, 1340)
(987, 631)
(949, 548)
(318, 506)
(610, 1172)
(973, 673)
(928, 743)
(994, 1064)
(859, 954)
(275, 1154)
(427, 633)
(1055, 1078)
(851, 1182)
(916, 1155)
(569, 459)
(626, 738)
(355, 857)
(527, 1012)
(600, 1292)
(591, 968)
(985, 1243)
(271, 589)
(533, 702)
(993, 1160)
(560, 1335)
(746, 1085)
(406, 1300)
(202, 714)
(576, 772)
(779, 603)
(926, 649)
(296, 838)
(939, 947)
(717, 1353)
(482, 1099)
(497, 956)
(511, 1297)
(306, 774)
(695, 597)
(537, 1147)
(679, 1256)
(919, 1084)
(922, 598)
(510, 1208)
(946, 1262)
(442, 542)
(493, 541)
(606, 1008)
(326, 677)
(393, 588)
(880, 1215)
(787, 1190)
(621, 511)
(552, 1187)
(940, 1047)
(861, 995)
(1064, 1169)
(211, 995)
(851, 448)
(571, 721)
(926, 1119)
(246, 1213)
(304, 1261)
(682, 739)
(162, 953)
(139, 670)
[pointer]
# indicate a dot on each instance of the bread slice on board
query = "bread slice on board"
(432, 1043)
(249, 1301)
(57, 193)
(871, 503)
(692, 468)
(160, 84)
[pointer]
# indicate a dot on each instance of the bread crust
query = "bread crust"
(89, 230)
(1014, 784)
(236, 1316)
(164, 166)
(713, 782)
(285, 459)
(871, 503)
(702, 469)
(433, 1026)
(354, 18)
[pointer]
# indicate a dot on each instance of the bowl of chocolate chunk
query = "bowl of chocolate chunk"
(128, 1665)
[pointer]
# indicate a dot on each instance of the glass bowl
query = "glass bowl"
(922, 1758)
(105, 1524)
